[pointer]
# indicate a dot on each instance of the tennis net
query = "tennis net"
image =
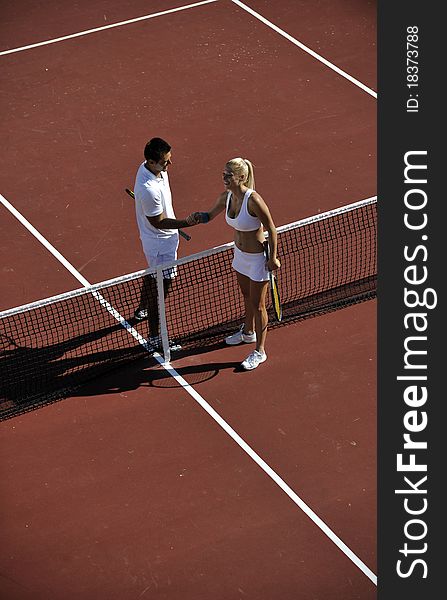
(52, 347)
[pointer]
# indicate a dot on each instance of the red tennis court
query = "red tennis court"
(213, 483)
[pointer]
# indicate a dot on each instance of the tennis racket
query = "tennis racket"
(274, 292)
(181, 232)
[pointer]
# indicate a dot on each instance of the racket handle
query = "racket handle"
(266, 251)
(184, 235)
(181, 232)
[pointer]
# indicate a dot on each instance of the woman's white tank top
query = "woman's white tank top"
(244, 221)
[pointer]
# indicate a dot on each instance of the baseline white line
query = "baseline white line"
(104, 27)
(306, 49)
(198, 398)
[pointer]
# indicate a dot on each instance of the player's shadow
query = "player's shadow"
(144, 374)
(34, 377)
(149, 373)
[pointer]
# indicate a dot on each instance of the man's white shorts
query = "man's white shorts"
(163, 253)
(253, 265)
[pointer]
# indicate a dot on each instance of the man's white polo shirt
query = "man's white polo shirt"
(153, 197)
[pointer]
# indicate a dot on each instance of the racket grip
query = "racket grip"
(266, 250)
(184, 235)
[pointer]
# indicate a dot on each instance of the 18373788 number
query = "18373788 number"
(413, 67)
(412, 56)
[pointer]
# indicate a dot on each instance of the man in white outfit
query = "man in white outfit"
(158, 228)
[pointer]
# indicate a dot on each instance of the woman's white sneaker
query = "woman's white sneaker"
(253, 360)
(239, 337)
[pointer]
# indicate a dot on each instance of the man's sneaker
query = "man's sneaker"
(141, 314)
(253, 360)
(156, 344)
(239, 337)
(174, 346)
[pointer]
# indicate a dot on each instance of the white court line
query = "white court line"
(104, 27)
(201, 401)
(306, 49)
(172, 10)
(272, 474)
(43, 241)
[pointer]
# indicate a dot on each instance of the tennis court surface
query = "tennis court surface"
(125, 476)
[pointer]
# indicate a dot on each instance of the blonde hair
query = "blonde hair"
(242, 167)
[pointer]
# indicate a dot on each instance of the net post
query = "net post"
(162, 316)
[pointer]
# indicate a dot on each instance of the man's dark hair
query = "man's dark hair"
(155, 149)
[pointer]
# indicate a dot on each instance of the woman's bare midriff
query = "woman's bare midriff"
(250, 241)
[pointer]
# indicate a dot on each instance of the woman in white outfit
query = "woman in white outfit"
(248, 214)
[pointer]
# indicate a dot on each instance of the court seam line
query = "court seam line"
(306, 49)
(201, 401)
(104, 27)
